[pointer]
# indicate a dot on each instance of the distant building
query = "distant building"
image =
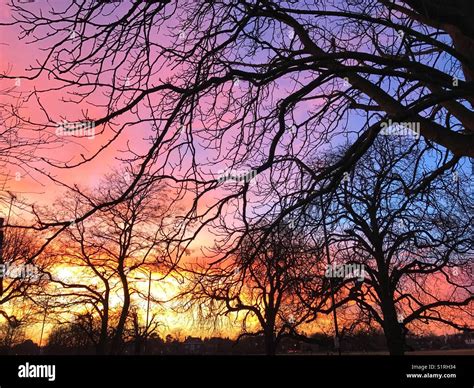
(193, 345)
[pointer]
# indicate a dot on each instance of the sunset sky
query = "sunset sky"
(34, 184)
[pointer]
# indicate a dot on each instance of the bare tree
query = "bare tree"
(108, 250)
(81, 333)
(21, 275)
(266, 285)
(411, 234)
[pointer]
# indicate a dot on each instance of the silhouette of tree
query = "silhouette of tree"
(265, 286)
(412, 234)
(108, 250)
(82, 333)
(21, 275)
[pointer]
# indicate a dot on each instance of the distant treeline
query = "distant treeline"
(317, 344)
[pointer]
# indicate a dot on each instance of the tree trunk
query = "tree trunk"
(393, 330)
(394, 334)
(101, 347)
(117, 340)
(270, 343)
